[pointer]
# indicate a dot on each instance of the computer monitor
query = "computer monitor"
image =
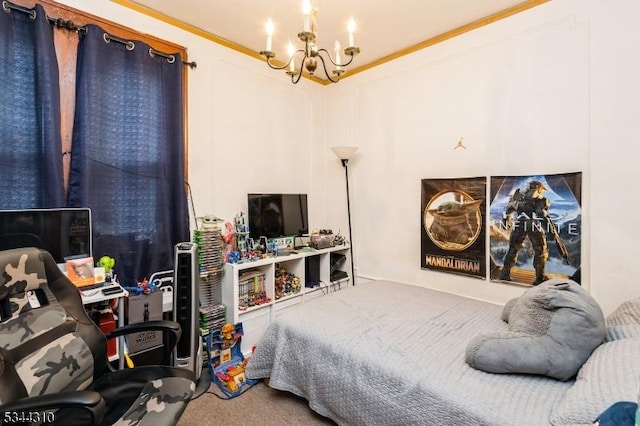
(65, 232)
(277, 215)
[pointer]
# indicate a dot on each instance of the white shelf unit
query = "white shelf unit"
(256, 319)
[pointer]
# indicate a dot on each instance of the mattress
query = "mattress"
(385, 353)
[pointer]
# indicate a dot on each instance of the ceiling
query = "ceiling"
(384, 29)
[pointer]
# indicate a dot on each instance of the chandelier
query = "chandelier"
(311, 53)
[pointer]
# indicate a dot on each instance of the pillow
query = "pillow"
(624, 321)
(611, 374)
(553, 328)
(622, 413)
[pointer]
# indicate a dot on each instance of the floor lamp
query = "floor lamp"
(346, 153)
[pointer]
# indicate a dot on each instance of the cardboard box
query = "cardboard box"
(143, 308)
(321, 241)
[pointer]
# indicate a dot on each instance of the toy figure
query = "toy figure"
(242, 244)
(242, 233)
(229, 337)
(210, 221)
(234, 257)
(272, 249)
(230, 240)
(339, 239)
(227, 380)
(107, 263)
(286, 283)
(241, 223)
(144, 285)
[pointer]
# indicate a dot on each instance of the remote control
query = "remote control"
(112, 290)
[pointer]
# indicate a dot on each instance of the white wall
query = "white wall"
(550, 90)
(553, 89)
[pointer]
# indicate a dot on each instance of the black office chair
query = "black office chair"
(53, 358)
(13, 240)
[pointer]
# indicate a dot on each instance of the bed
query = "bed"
(385, 353)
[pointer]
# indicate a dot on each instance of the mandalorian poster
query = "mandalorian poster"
(453, 226)
(535, 228)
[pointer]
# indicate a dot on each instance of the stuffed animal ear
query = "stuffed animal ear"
(506, 311)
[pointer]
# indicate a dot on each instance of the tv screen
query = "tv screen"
(277, 215)
(65, 233)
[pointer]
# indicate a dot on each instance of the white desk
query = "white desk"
(96, 295)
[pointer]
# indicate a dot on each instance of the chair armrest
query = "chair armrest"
(89, 401)
(171, 330)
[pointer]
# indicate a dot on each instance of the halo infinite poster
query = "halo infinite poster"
(453, 225)
(535, 228)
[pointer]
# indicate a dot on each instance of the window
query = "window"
(125, 155)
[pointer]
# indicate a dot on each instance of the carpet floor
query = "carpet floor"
(260, 405)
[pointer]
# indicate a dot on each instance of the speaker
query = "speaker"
(312, 271)
(188, 351)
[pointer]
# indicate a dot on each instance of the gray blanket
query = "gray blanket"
(384, 353)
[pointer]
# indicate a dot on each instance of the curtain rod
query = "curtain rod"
(71, 26)
(8, 7)
(152, 52)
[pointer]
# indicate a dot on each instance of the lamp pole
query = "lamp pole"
(345, 153)
(345, 161)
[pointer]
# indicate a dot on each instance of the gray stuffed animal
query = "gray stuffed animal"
(553, 328)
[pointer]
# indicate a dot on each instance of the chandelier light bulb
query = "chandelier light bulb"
(290, 51)
(269, 29)
(352, 32)
(337, 48)
(306, 12)
(306, 7)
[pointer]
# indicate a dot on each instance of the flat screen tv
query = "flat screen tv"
(65, 233)
(277, 215)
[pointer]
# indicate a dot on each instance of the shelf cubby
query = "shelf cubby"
(242, 281)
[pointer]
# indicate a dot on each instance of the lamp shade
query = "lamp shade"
(344, 152)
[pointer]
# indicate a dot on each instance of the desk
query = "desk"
(96, 295)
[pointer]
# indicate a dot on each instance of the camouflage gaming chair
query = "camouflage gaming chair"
(55, 357)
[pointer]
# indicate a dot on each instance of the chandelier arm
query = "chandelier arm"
(348, 62)
(324, 66)
(328, 56)
(332, 61)
(295, 77)
(276, 67)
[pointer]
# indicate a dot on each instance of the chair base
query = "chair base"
(203, 384)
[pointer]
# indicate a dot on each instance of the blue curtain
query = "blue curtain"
(127, 160)
(30, 144)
